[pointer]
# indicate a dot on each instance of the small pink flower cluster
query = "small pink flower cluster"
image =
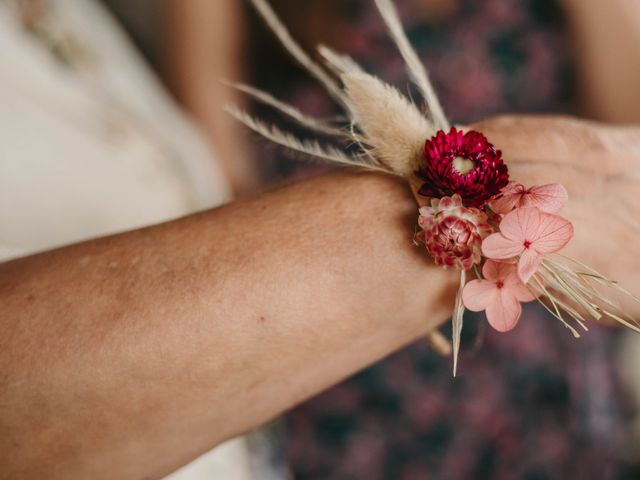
(453, 233)
(511, 231)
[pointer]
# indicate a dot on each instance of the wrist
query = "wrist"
(411, 289)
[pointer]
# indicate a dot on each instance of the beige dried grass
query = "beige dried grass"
(307, 147)
(415, 68)
(393, 126)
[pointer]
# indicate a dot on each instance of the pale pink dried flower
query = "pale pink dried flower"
(499, 294)
(528, 233)
(453, 233)
(549, 198)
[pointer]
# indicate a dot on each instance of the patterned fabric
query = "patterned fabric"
(532, 404)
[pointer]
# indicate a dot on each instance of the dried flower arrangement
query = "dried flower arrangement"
(471, 216)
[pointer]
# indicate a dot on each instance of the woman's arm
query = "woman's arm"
(128, 356)
(204, 44)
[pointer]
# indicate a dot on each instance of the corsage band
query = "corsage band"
(504, 237)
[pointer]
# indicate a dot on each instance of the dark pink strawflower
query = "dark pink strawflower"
(462, 163)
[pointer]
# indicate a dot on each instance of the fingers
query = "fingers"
(598, 149)
(600, 167)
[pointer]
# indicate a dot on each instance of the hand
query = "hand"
(600, 167)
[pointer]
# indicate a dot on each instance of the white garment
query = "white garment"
(83, 158)
(91, 153)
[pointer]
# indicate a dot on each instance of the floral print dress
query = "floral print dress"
(533, 404)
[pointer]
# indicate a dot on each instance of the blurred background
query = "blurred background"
(124, 99)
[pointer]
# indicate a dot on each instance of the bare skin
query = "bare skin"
(206, 45)
(607, 49)
(128, 356)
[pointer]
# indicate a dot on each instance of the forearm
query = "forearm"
(125, 357)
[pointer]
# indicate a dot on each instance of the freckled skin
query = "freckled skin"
(128, 356)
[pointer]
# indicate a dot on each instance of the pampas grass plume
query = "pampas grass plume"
(393, 126)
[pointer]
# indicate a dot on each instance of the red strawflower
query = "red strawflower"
(462, 163)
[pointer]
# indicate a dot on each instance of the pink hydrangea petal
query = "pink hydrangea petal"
(507, 273)
(499, 295)
(499, 247)
(509, 199)
(522, 224)
(503, 312)
(505, 203)
(519, 290)
(490, 270)
(477, 294)
(528, 265)
(549, 198)
(497, 271)
(553, 233)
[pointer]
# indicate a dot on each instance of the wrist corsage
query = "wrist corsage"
(503, 237)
